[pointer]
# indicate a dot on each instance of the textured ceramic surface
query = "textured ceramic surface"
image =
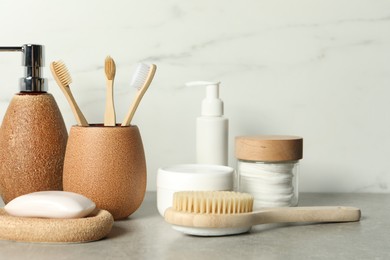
(94, 227)
(107, 165)
(32, 146)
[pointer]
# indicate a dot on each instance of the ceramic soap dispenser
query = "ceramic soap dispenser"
(212, 128)
(33, 135)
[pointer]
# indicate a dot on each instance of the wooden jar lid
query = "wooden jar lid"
(269, 148)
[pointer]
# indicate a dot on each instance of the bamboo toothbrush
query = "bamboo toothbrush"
(109, 114)
(141, 80)
(63, 79)
(222, 213)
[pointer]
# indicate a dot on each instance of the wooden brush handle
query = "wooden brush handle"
(109, 114)
(306, 214)
(133, 108)
(138, 97)
(272, 215)
(81, 121)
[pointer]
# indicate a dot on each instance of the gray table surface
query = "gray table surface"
(145, 235)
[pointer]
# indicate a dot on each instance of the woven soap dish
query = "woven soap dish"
(94, 227)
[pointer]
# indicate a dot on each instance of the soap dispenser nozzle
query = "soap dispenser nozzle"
(33, 61)
(212, 105)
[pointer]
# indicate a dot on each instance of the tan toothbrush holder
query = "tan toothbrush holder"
(107, 165)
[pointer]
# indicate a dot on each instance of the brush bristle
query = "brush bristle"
(110, 68)
(62, 72)
(212, 202)
(140, 75)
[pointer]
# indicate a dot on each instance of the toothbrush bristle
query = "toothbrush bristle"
(110, 68)
(140, 75)
(62, 72)
(212, 202)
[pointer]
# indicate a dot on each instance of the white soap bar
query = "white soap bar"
(50, 204)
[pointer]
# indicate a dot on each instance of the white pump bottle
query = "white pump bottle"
(211, 127)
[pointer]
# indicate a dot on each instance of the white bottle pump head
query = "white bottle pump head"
(212, 105)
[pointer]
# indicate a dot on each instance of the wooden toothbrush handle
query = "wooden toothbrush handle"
(109, 114)
(81, 121)
(130, 114)
(306, 214)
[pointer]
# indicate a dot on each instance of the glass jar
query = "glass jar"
(267, 168)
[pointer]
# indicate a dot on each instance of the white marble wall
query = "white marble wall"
(315, 68)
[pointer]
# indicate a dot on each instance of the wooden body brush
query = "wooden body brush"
(222, 213)
(63, 79)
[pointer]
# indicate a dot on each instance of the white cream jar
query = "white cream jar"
(194, 177)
